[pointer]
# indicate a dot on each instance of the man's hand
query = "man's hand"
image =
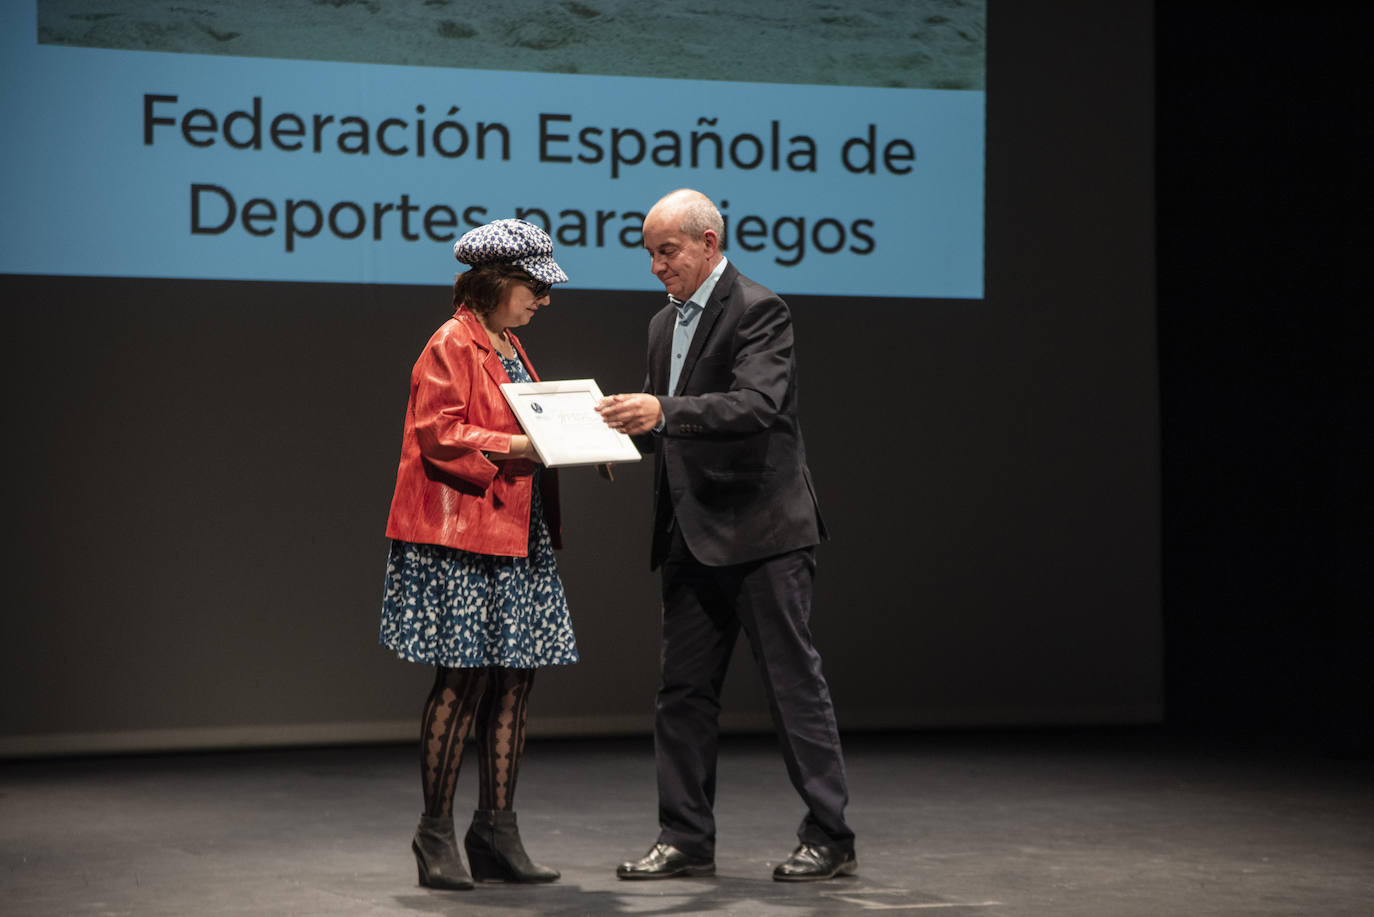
(630, 414)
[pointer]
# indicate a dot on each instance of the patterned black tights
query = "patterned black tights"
(496, 698)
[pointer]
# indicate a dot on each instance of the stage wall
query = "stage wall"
(199, 470)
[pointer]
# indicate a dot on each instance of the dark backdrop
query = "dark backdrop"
(199, 471)
(1264, 208)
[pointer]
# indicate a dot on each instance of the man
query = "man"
(735, 529)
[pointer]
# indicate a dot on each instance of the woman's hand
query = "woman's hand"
(520, 448)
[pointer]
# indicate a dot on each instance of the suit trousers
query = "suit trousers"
(704, 609)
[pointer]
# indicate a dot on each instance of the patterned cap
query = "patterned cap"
(513, 242)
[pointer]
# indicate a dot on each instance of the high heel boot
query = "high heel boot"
(436, 855)
(496, 853)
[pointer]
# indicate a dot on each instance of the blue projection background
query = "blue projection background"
(154, 164)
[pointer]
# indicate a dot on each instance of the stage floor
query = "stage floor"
(1097, 824)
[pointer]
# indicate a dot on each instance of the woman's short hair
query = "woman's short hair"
(483, 287)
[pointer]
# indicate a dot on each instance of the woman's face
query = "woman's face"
(519, 304)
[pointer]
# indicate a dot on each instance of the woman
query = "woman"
(471, 582)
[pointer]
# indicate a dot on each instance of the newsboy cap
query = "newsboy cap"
(512, 242)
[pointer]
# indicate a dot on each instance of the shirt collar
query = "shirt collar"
(702, 294)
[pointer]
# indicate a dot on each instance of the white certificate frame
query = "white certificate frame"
(562, 424)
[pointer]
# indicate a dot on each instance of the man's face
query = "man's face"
(679, 261)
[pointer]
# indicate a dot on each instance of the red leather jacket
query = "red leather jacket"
(447, 491)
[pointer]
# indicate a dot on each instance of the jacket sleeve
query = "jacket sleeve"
(760, 368)
(448, 412)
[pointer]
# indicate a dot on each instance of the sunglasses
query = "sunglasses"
(539, 288)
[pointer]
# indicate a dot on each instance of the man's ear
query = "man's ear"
(711, 240)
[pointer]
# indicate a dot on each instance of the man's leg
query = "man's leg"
(699, 634)
(774, 603)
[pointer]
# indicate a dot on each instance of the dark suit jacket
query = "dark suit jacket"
(730, 462)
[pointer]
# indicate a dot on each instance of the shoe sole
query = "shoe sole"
(686, 872)
(848, 869)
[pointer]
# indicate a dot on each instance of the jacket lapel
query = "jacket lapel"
(490, 359)
(710, 313)
(660, 348)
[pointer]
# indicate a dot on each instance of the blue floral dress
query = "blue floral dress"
(459, 609)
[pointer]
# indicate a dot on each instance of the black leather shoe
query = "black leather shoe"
(664, 861)
(813, 862)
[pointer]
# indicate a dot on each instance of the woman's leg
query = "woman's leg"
(448, 713)
(501, 736)
(493, 843)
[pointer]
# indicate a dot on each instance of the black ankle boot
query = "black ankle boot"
(436, 855)
(495, 851)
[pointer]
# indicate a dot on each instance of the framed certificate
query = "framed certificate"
(561, 421)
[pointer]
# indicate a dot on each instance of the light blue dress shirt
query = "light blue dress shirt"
(687, 314)
(686, 327)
